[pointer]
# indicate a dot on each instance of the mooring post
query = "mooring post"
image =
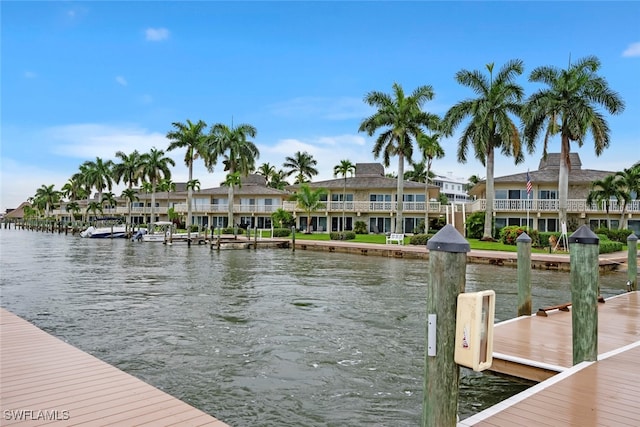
(255, 238)
(632, 261)
(583, 257)
(293, 238)
(524, 274)
(447, 277)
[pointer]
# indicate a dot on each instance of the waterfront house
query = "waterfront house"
(368, 196)
(512, 202)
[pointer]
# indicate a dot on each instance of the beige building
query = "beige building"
(512, 202)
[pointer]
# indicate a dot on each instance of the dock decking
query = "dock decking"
(44, 380)
(590, 393)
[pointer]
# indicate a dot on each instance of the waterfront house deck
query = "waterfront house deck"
(590, 393)
(47, 381)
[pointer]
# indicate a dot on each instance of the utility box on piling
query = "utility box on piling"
(474, 329)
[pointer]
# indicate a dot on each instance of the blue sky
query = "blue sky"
(86, 79)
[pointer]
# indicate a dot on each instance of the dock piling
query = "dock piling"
(447, 278)
(583, 257)
(632, 261)
(524, 274)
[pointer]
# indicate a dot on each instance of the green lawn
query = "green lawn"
(381, 239)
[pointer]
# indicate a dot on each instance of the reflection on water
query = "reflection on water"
(256, 338)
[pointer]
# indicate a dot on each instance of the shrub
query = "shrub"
(543, 238)
(608, 246)
(420, 239)
(281, 232)
(475, 225)
(342, 235)
(232, 230)
(509, 234)
(614, 235)
(360, 227)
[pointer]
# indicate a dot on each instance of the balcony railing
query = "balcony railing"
(553, 205)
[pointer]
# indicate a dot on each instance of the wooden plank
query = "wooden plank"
(42, 373)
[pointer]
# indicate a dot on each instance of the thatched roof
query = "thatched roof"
(17, 213)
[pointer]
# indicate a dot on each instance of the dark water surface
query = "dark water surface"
(256, 338)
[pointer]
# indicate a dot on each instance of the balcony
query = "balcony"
(576, 206)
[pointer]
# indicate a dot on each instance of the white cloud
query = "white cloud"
(156, 34)
(88, 141)
(632, 50)
(121, 80)
(19, 181)
(30, 75)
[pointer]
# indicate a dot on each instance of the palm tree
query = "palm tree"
(155, 167)
(73, 189)
(190, 136)
(418, 173)
(602, 191)
(628, 183)
(240, 153)
(267, 170)
(129, 170)
(402, 119)
(303, 165)
(309, 200)
(278, 180)
(130, 195)
(83, 176)
(193, 184)
(47, 198)
(110, 199)
(431, 149)
(167, 185)
(568, 106)
(343, 168)
(472, 181)
(490, 125)
(73, 207)
(99, 175)
(94, 207)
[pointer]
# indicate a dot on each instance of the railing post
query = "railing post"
(524, 274)
(447, 275)
(583, 258)
(632, 262)
(293, 238)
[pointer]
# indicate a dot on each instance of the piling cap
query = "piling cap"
(523, 238)
(448, 239)
(585, 236)
(632, 238)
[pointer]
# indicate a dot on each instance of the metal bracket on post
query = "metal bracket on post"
(431, 334)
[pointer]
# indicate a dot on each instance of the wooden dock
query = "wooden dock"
(591, 393)
(47, 381)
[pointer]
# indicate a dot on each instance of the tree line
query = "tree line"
(568, 105)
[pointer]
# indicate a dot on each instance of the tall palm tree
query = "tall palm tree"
(83, 176)
(240, 153)
(130, 195)
(402, 120)
(568, 106)
(303, 165)
(192, 137)
(628, 183)
(343, 168)
(490, 125)
(309, 200)
(431, 149)
(602, 191)
(98, 173)
(94, 207)
(155, 167)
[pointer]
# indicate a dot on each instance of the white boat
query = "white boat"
(164, 234)
(113, 232)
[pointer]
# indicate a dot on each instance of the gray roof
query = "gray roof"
(360, 183)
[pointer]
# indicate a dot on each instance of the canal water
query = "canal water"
(257, 338)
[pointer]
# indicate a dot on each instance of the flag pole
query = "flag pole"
(528, 197)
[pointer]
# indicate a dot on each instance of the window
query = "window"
(548, 194)
(501, 194)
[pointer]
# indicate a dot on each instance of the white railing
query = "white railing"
(553, 205)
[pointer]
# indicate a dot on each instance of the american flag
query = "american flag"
(529, 185)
